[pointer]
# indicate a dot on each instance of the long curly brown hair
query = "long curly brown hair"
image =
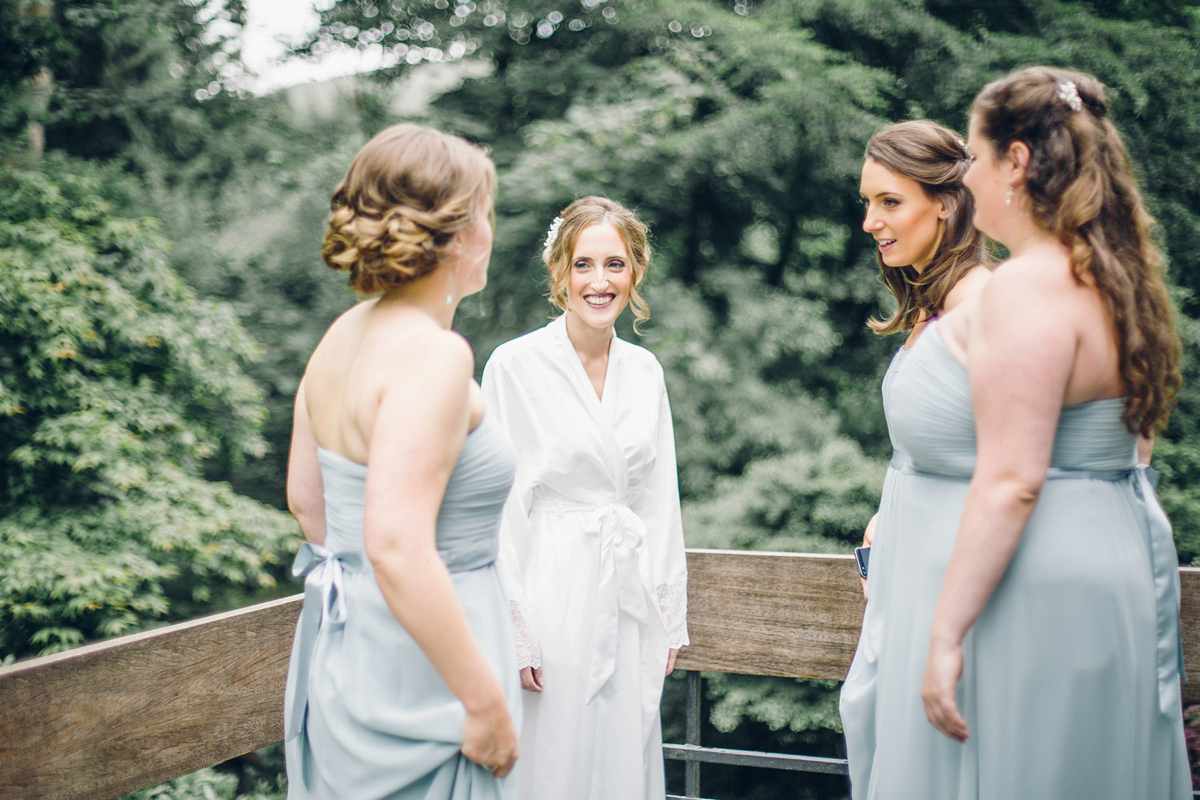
(934, 156)
(406, 194)
(1082, 190)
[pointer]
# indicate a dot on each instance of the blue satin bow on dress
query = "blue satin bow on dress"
(324, 608)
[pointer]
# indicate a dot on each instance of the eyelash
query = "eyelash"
(583, 265)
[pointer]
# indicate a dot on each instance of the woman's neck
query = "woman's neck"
(589, 342)
(1023, 235)
(1029, 239)
(427, 295)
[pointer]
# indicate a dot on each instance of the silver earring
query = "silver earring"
(1008, 197)
(453, 284)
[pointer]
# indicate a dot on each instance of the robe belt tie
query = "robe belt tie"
(1164, 564)
(324, 574)
(624, 572)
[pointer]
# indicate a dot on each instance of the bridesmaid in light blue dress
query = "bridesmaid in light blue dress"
(932, 258)
(919, 213)
(401, 683)
(1028, 587)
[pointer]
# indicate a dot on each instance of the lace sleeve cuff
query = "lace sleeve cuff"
(672, 602)
(528, 654)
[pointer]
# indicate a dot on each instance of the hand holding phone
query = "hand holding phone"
(862, 555)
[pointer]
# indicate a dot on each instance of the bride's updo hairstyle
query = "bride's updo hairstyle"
(1082, 190)
(936, 158)
(406, 194)
(564, 234)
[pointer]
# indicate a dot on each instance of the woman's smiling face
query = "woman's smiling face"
(904, 220)
(601, 276)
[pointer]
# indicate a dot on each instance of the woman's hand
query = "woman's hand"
(868, 535)
(674, 651)
(490, 738)
(531, 679)
(939, 687)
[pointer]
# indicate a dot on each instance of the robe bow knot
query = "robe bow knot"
(624, 578)
(324, 574)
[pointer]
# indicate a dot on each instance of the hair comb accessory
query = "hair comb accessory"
(962, 145)
(551, 237)
(1069, 94)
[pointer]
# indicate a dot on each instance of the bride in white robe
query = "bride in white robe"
(591, 539)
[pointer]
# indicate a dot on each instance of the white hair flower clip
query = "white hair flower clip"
(1069, 94)
(551, 237)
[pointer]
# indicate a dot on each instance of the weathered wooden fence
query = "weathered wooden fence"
(103, 720)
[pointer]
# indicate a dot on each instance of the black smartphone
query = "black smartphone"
(862, 555)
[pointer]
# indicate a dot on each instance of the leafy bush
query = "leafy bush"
(117, 386)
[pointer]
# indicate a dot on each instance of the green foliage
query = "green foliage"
(736, 129)
(118, 385)
(807, 501)
(140, 76)
(782, 704)
(211, 784)
(206, 784)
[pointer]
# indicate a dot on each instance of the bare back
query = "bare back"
(363, 353)
(1036, 300)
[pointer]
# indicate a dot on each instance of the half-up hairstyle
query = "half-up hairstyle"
(584, 213)
(936, 158)
(1082, 190)
(406, 194)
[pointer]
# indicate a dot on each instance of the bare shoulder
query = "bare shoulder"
(344, 330)
(969, 285)
(432, 350)
(1031, 280)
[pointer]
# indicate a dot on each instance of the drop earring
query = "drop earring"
(1008, 197)
(453, 284)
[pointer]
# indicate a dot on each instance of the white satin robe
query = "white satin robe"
(591, 555)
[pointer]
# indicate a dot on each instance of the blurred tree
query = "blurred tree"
(133, 73)
(117, 385)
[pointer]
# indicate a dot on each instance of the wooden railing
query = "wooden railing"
(103, 720)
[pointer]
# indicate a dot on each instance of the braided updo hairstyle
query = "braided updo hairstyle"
(1082, 190)
(936, 158)
(406, 194)
(584, 213)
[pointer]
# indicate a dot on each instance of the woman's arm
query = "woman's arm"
(419, 429)
(305, 489)
(657, 504)
(1145, 449)
(1021, 353)
(507, 402)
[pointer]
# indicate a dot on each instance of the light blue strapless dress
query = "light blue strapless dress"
(1070, 685)
(366, 715)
